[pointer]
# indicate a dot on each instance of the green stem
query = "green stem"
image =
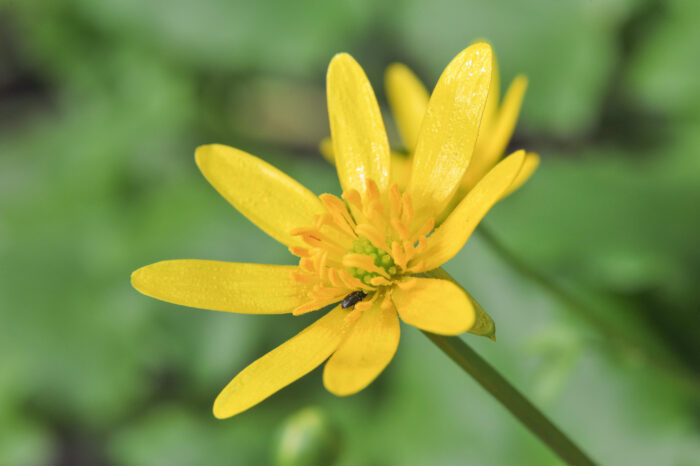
(511, 398)
(613, 337)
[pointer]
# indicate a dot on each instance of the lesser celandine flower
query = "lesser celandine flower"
(408, 100)
(369, 252)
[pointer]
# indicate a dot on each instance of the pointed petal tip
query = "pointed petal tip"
(202, 154)
(518, 156)
(481, 47)
(364, 354)
(219, 409)
(521, 80)
(134, 279)
(481, 40)
(336, 389)
(534, 159)
(395, 68)
(339, 59)
(341, 64)
(137, 278)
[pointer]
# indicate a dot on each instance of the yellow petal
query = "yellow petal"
(449, 238)
(400, 169)
(493, 142)
(222, 286)
(449, 130)
(283, 365)
(483, 323)
(326, 149)
(408, 99)
(435, 305)
(531, 163)
(360, 144)
(365, 353)
(491, 107)
(507, 117)
(400, 163)
(275, 202)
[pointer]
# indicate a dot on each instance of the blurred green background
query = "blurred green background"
(101, 106)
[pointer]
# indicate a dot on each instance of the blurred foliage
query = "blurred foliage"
(308, 438)
(101, 106)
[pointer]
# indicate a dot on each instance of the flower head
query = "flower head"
(408, 100)
(370, 252)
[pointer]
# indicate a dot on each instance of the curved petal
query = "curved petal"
(222, 286)
(283, 365)
(449, 238)
(408, 99)
(532, 161)
(360, 144)
(369, 347)
(400, 169)
(493, 141)
(449, 130)
(326, 149)
(273, 201)
(435, 305)
(483, 323)
(491, 107)
(506, 119)
(400, 163)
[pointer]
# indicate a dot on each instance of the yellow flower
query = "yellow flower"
(408, 101)
(374, 253)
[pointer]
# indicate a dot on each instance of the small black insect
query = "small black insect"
(352, 299)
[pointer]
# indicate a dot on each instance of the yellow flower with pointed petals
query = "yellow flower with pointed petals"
(408, 101)
(371, 253)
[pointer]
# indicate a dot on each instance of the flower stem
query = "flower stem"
(510, 397)
(614, 337)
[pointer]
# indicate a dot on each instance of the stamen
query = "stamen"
(424, 230)
(316, 236)
(334, 278)
(299, 251)
(398, 254)
(407, 209)
(339, 213)
(363, 244)
(321, 265)
(350, 281)
(362, 261)
(366, 304)
(372, 191)
(395, 200)
(370, 232)
(306, 264)
(318, 243)
(404, 234)
(387, 302)
(407, 284)
(409, 249)
(304, 278)
(324, 292)
(419, 267)
(354, 199)
(374, 211)
(379, 281)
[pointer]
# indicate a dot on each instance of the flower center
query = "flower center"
(379, 257)
(362, 244)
